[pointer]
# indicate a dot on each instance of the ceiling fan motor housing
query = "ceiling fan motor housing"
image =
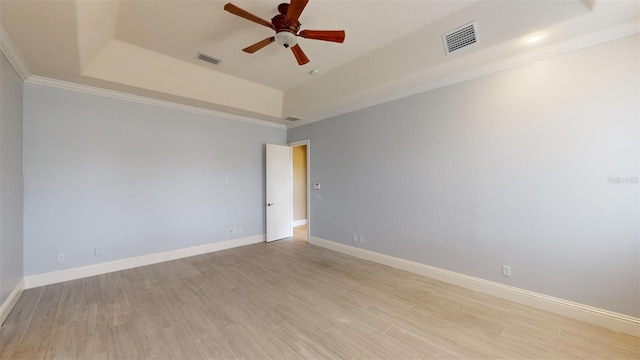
(286, 31)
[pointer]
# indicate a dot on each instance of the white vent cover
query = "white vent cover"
(292, 118)
(208, 58)
(461, 37)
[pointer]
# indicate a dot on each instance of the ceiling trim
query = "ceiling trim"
(86, 89)
(10, 50)
(563, 47)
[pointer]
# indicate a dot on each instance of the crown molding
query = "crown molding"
(10, 50)
(92, 90)
(630, 28)
(563, 47)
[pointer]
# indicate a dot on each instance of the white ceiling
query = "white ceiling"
(148, 48)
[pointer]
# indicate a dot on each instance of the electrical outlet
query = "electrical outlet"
(240, 229)
(506, 270)
(60, 257)
(97, 252)
(355, 238)
(361, 238)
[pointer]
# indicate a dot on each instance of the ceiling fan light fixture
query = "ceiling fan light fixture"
(286, 39)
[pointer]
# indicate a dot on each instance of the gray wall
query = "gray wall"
(133, 179)
(535, 167)
(11, 269)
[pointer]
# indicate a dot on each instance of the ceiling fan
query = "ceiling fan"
(287, 28)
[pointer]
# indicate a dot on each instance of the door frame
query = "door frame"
(293, 144)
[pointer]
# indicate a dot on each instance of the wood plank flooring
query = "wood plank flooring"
(287, 300)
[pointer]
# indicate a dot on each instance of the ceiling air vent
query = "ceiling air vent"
(461, 37)
(292, 118)
(208, 58)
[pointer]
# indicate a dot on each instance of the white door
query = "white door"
(279, 190)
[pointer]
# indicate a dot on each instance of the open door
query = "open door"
(300, 188)
(279, 190)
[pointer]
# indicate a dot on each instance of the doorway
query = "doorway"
(300, 189)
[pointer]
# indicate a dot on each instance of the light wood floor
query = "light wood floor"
(287, 300)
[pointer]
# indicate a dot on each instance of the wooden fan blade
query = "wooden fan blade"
(247, 15)
(259, 45)
(299, 54)
(326, 35)
(295, 9)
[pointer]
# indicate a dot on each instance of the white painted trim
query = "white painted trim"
(10, 50)
(92, 90)
(299, 222)
(577, 43)
(11, 300)
(54, 277)
(609, 319)
(299, 143)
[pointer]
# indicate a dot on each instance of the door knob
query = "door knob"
(269, 204)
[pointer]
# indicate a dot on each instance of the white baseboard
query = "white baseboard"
(609, 319)
(8, 304)
(54, 277)
(300, 222)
